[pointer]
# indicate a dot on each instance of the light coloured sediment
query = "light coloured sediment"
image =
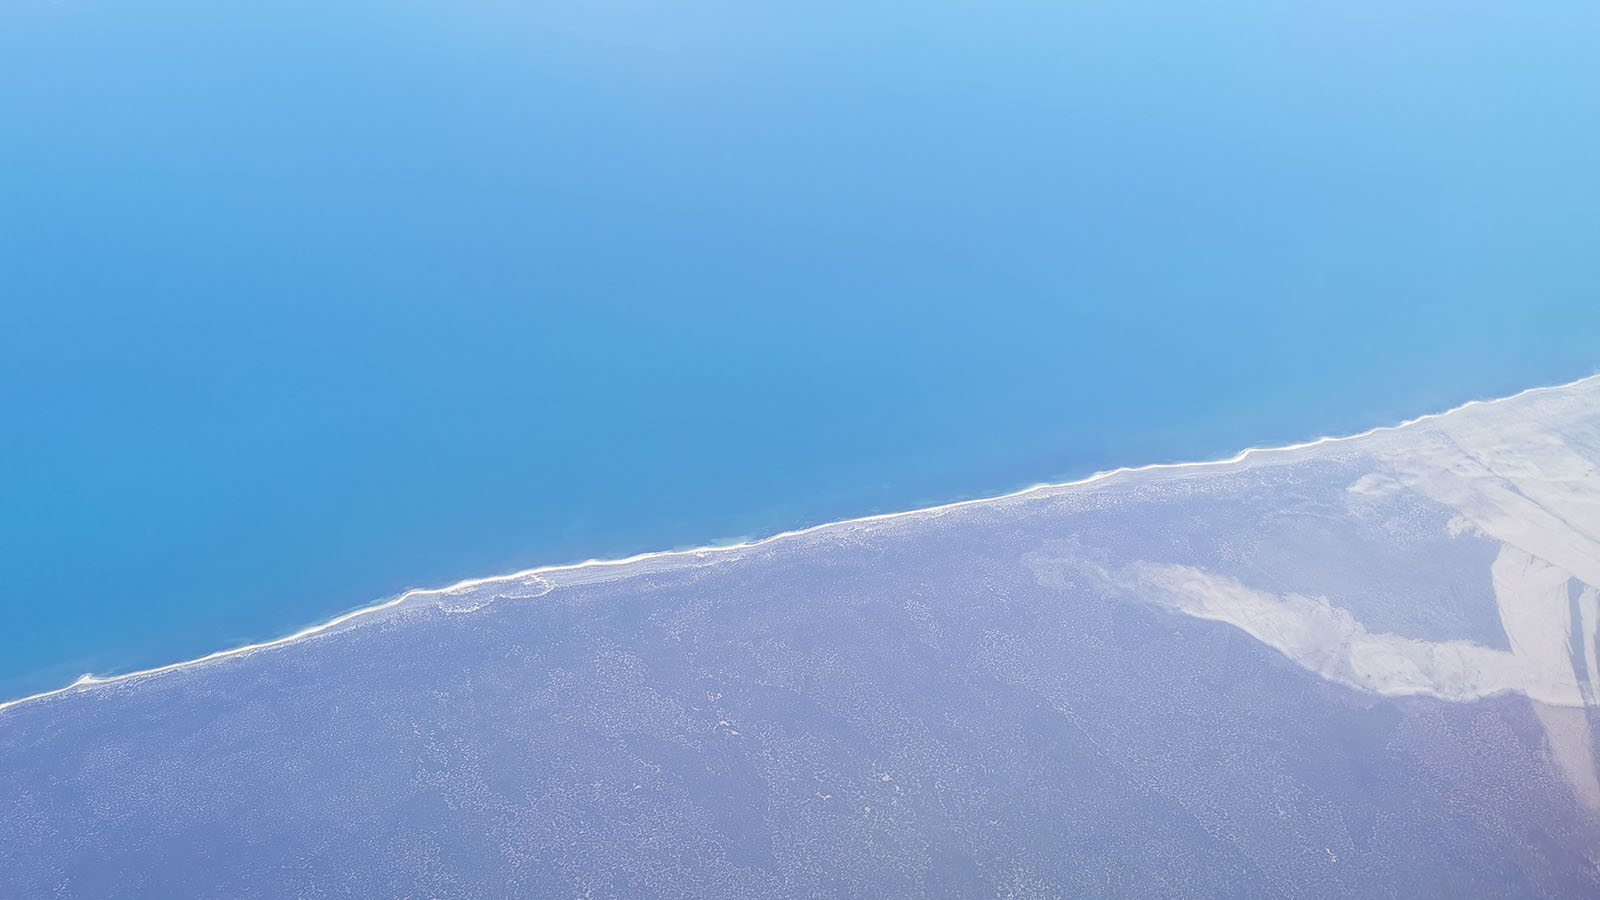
(1579, 557)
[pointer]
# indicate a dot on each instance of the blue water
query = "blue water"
(305, 303)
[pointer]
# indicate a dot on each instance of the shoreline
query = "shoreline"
(89, 681)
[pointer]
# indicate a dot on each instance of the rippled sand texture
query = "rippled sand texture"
(1359, 667)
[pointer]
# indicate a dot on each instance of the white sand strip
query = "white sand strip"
(90, 681)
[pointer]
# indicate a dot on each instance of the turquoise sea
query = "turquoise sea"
(302, 304)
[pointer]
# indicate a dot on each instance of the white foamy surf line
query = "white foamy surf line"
(90, 681)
